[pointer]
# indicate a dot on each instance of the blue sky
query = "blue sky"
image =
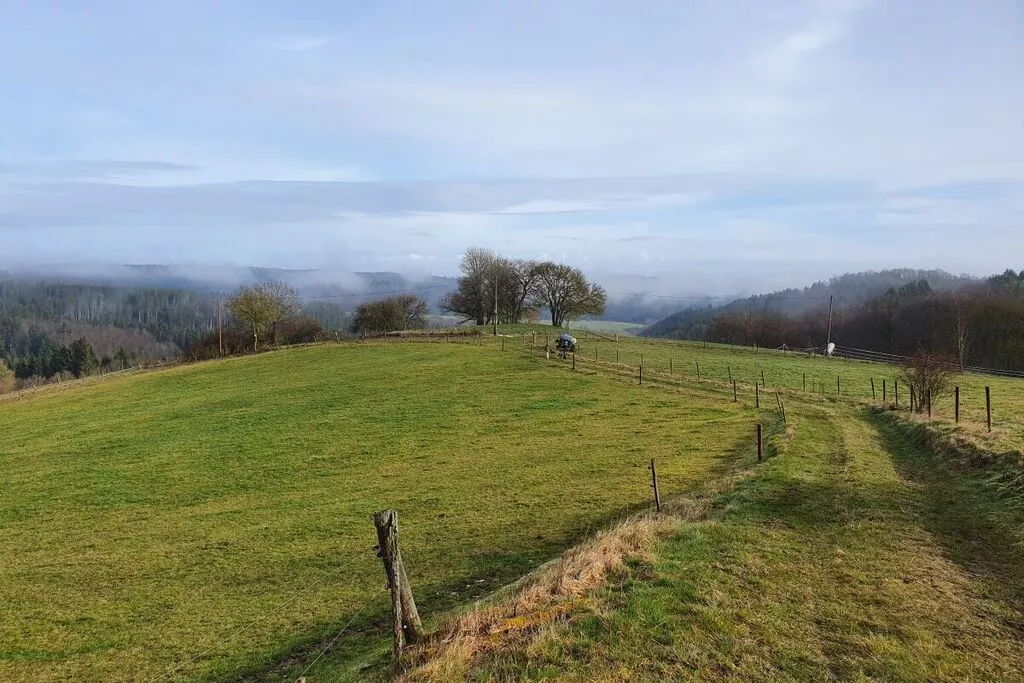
(698, 141)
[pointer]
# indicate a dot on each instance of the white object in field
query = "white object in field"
(830, 348)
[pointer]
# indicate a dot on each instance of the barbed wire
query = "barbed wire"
(237, 632)
(332, 643)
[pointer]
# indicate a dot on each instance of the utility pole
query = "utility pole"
(220, 328)
(828, 339)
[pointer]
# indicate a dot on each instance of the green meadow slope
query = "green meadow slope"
(206, 521)
(212, 522)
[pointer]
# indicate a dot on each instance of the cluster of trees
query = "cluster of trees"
(268, 313)
(495, 289)
(400, 312)
(40, 356)
(981, 324)
(169, 315)
(849, 290)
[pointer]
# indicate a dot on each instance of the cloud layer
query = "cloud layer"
(788, 139)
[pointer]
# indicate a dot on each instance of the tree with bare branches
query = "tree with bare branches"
(263, 307)
(567, 294)
(930, 375)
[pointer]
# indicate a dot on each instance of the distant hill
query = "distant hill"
(848, 290)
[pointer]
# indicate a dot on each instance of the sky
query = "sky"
(723, 142)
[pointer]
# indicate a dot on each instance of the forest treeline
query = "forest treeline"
(44, 323)
(980, 324)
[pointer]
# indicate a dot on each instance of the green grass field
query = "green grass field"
(213, 521)
(165, 524)
(850, 556)
(787, 372)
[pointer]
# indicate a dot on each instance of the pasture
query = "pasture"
(204, 522)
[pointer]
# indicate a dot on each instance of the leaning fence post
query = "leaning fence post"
(734, 397)
(956, 412)
(406, 623)
(883, 390)
(760, 454)
(573, 360)
(988, 408)
(757, 396)
(873, 389)
(654, 485)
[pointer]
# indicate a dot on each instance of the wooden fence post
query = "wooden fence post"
(956, 411)
(883, 390)
(896, 391)
(407, 628)
(873, 389)
(760, 452)
(838, 390)
(641, 370)
(654, 485)
(729, 368)
(757, 396)
(616, 356)
(988, 408)
(805, 382)
(734, 397)
(669, 367)
(762, 379)
(928, 400)
(698, 371)
(573, 360)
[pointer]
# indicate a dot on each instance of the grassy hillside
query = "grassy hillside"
(212, 521)
(787, 373)
(203, 522)
(848, 556)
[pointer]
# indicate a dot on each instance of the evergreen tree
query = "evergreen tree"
(83, 358)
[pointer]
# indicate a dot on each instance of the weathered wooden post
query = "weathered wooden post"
(698, 371)
(805, 382)
(654, 485)
(873, 389)
(734, 396)
(762, 379)
(760, 453)
(956, 411)
(669, 367)
(573, 360)
(729, 368)
(928, 400)
(988, 408)
(757, 395)
(408, 630)
(838, 390)
(883, 390)
(896, 391)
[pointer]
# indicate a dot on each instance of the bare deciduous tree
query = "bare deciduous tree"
(961, 330)
(930, 375)
(263, 307)
(566, 293)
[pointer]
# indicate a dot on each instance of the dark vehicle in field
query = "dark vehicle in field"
(566, 344)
